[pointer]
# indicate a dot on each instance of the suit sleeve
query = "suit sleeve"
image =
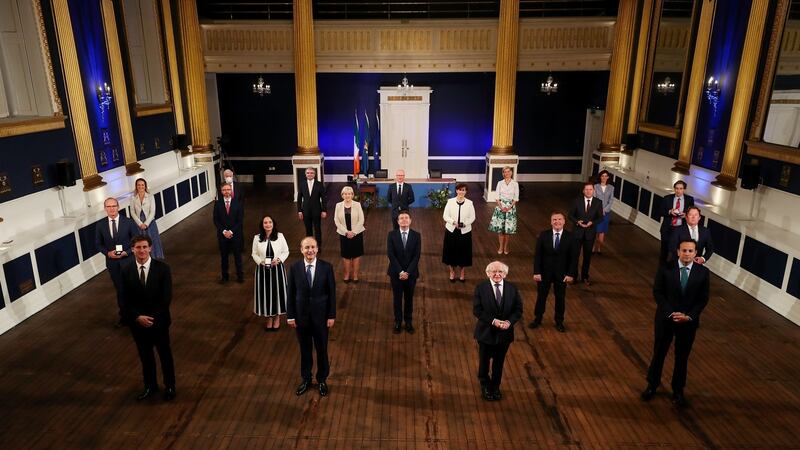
(98, 238)
(291, 304)
(410, 194)
(673, 244)
(666, 205)
(300, 196)
(573, 213)
(254, 252)
(709, 249)
(412, 265)
(331, 288)
(394, 263)
(477, 307)
(598, 215)
(660, 293)
(323, 204)
(217, 220)
(574, 251)
(538, 255)
(341, 229)
(238, 218)
(702, 298)
(129, 235)
(392, 188)
(283, 248)
(516, 313)
(689, 202)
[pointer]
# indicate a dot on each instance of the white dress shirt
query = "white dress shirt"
(560, 236)
(146, 266)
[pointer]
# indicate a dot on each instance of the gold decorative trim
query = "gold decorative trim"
(55, 100)
(92, 182)
(775, 152)
(503, 150)
(638, 71)
(298, 162)
(152, 110)
(770, 67)
(172, 60)
(35, 125)
(118, 87)
(624, 31)
(305, 77)
(659, 130)
(194, 73)
(133, 168)
(404, 98)
(785, 101)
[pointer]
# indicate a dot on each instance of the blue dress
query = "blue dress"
(156, 250)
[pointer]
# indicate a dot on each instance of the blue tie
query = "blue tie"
(558, 241)
(308, 275)
(684, 277)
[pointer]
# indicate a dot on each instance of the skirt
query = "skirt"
(351, 248)
(602, 225)
(270, 290)
(156, 250)
(504, 222)
(457, 248)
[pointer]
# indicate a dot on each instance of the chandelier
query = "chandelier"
(549, 86)
(103, 97)
(404, 88)
(666, 86)
(261, 88)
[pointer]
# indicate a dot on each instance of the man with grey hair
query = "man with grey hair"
(497, 306)
(237, 193)
(311, 208)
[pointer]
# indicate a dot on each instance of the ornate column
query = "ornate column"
(638, 71)
(307, 153)
(172, 60)
(697, 81)
(194, 73)
(624, 31)
(502, 152)
(119, 89)
(79, 120)
(742, 98)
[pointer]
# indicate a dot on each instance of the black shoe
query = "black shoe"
(560, 328)
(497, 395)
(397, 328)
(452, 280)
(535, 324)
(147, 392)
(486, 394)
(463, 280)
(648, 393)
(302, 388)
(169, 394)
(323, 389)
(355, 281)
(678, 399)
(409, 328)
(586, 282)
(346, 281)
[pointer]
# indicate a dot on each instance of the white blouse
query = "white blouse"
(279, 248)
(508, 191)
(148, 205)
(450, 215)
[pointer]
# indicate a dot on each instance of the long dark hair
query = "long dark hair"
(262, 235)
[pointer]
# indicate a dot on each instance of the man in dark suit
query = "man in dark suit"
(554, 263)
(586, 212)
(681, 293)
(400, 196)
(497, 306)
(693, 230)
(147, 285)
(673, 211)
(112, 237)
(311, 311)
(311, 208)
(237, 192)
(228, 218)
(403, 247)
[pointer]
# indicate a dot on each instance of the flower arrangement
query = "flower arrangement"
(439, 197)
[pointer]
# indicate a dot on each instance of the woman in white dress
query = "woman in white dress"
(504, 217)
(270, 251)
(143, 210)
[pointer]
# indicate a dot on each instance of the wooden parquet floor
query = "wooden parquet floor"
(68, 378)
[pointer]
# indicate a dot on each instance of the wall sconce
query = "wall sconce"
(103, 97)
(404, 88)
(261, 88)
(712, 93)
(549, 86)
(666, 86)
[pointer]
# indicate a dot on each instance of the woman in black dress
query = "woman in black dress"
(349, 220)
(270, 251)
(459, 213)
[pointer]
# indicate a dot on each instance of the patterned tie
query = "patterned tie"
(678, 207)
(684, 277)
(309, 278)
(405, 238)
(227, 206)
(558, 241)
(114, 230)
(142, 277)
(498, 297)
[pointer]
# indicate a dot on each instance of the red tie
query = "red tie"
(678, 207)
(228, 207)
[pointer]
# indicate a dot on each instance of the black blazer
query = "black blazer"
(126, 230)
(229, 221)
(578, 212)
(311, 305)
(400, 202)
(705, 245)
(550, 262)
(666, 205)
(403, 259)
(313, 202)
(485, 309)
(153, 298)
(238, 192)
(668, 295)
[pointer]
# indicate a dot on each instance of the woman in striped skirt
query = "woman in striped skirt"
(270, 251)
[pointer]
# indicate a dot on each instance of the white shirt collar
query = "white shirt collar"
(501, 283)
(406, 230)
(561, 231)
(313, 263)
(145, 264)
(680, 265)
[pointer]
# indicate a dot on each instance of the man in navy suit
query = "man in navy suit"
(311, 311)
(681, 293)
(497, 306)
(147, 285)
(112, 237)
(403, 247)
(311, 208)
(554, 263)
(400, 196)
(673, 211)
(585, 214)
(693, 230)
(228, 218)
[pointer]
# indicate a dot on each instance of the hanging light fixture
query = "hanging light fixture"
(549, 86)
(261, 88)
(666, 86)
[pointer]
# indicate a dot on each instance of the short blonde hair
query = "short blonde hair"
(347, 189)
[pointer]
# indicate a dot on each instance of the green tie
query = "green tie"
(684, 277)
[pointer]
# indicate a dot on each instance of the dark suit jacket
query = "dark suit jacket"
(153, 298)
(485, 308)
(238, 192)
(229, 221)
(668, 295)
(403, 259)
(578, 212)
(550, 262)
(311, 203)
(705, 245)
(400, 202)
(311, 305)
(126, 230)
(666, 205)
